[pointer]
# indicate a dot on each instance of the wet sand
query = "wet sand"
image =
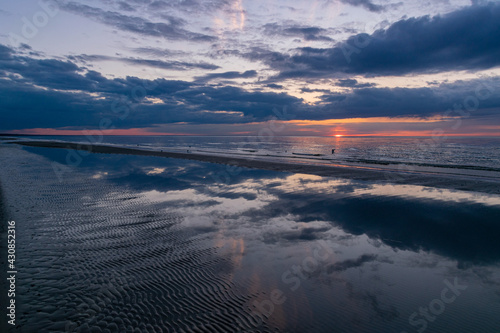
(483, 182)
(95, 257)
(127, 243)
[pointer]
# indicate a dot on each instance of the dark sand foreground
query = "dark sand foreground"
(95, 257)
(484, 182)
(128, 243)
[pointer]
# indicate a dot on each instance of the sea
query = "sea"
(476, 153)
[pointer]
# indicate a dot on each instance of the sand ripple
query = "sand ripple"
(94, 257)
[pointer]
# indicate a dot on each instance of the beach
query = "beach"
(94, 256)
(480, 181)
(128, 240)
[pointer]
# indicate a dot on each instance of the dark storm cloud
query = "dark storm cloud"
(83, 97)
(171, 28)
(423, 102)
(228, 75)
(49, 73)
(173, 65)
(306, 32)
(55, 93)
(466, 39)
(25, 106)
(258, 105)
(5, 52)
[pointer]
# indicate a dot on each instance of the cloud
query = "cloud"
(25, 106)
(172, 65)
(308, 33)
(170, 29)
(189, 6)
(351, 263)
(302, 234)
(274, 86)
(157, 52)
(59, 93)
(5, 52)
(419, 102)
(227, 75)
(125, 6)
(256, 53)
(367, 4)
(466, 39)
(48, 73)
(449, 229)
(256, 105)
(352, 83)
(309, 90)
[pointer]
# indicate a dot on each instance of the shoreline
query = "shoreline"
(475, 183)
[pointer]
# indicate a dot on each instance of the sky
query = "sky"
(241, 67)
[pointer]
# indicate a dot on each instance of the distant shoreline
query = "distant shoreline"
(363, 173)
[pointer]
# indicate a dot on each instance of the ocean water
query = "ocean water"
(453, 152)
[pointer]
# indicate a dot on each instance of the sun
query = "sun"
(338, 135)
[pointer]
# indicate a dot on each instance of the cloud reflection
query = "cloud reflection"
(267, 223)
